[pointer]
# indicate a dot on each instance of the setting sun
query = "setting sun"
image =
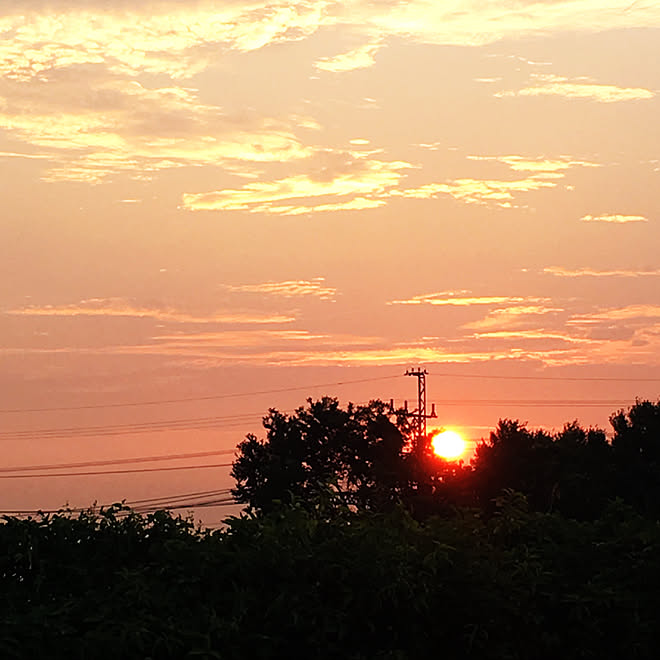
(448, 444)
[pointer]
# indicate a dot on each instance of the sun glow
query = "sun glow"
(448, 444)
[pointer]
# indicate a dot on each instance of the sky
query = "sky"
(213, 208)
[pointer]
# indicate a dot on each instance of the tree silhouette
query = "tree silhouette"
(353, 455)
(636, 445)
(585, 472)
(518, 459)
(364, 457)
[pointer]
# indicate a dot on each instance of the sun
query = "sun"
(448, 444)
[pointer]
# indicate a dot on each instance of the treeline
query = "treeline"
(359, 544)
(365, 457)
(292, 583)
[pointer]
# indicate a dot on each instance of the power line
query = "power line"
(192, 505)
(213, 397)
(226, 501)
(169, 501)
(117, 461)
(229, 421)
(191, 423)
(540, 403)
(158, 422)
(613, 379)
(233, 395)
(100, 472)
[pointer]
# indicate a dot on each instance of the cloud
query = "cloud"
(618, 336)
(119, 307)
(615, 218)
(371, 182)
(626, 335)
(589, 272)
(352, 175)
(552, 85)
(237, 339)
(290, 288)
(537, 164)
(612, 334)
(544, 174)
(12, 154)
(173, 38)
(479, 191)
(533, 335)
(479, 22)
(456, 299)
(358, 58)
(514, 316)
(95, 90)
(123, 126)
(180, 39)
(101, 88)
(302, 349)
(274, 350)
(357, 204)
(629, 312)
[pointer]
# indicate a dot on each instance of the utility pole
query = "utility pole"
(420, 414)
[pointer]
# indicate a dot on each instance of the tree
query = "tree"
(637, 432)
(569, 471)
(354, 456)
(518, 459)
(585, 461)
(636, 445)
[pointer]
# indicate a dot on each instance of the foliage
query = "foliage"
(636, 448)
(576, 471)
(292, 584)
(570, 471)
(357, 452)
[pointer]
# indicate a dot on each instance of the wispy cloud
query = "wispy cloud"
(356, 204)
(353, 176)
(315, 287)
(13, 154)
(534, 335)
(642, 311)
(358, 58)
(513, 316)
(479, 191)
(544, 173)
(541, 348)
(552, 85)
(238, 339)
(118, 307)
(122, 126)
(163, 36)
(559, 271)
(366, 183)
(445, 298)
(618, 336)
(614, 218)
(537, 164)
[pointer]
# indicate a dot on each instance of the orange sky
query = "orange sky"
(205, 198)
